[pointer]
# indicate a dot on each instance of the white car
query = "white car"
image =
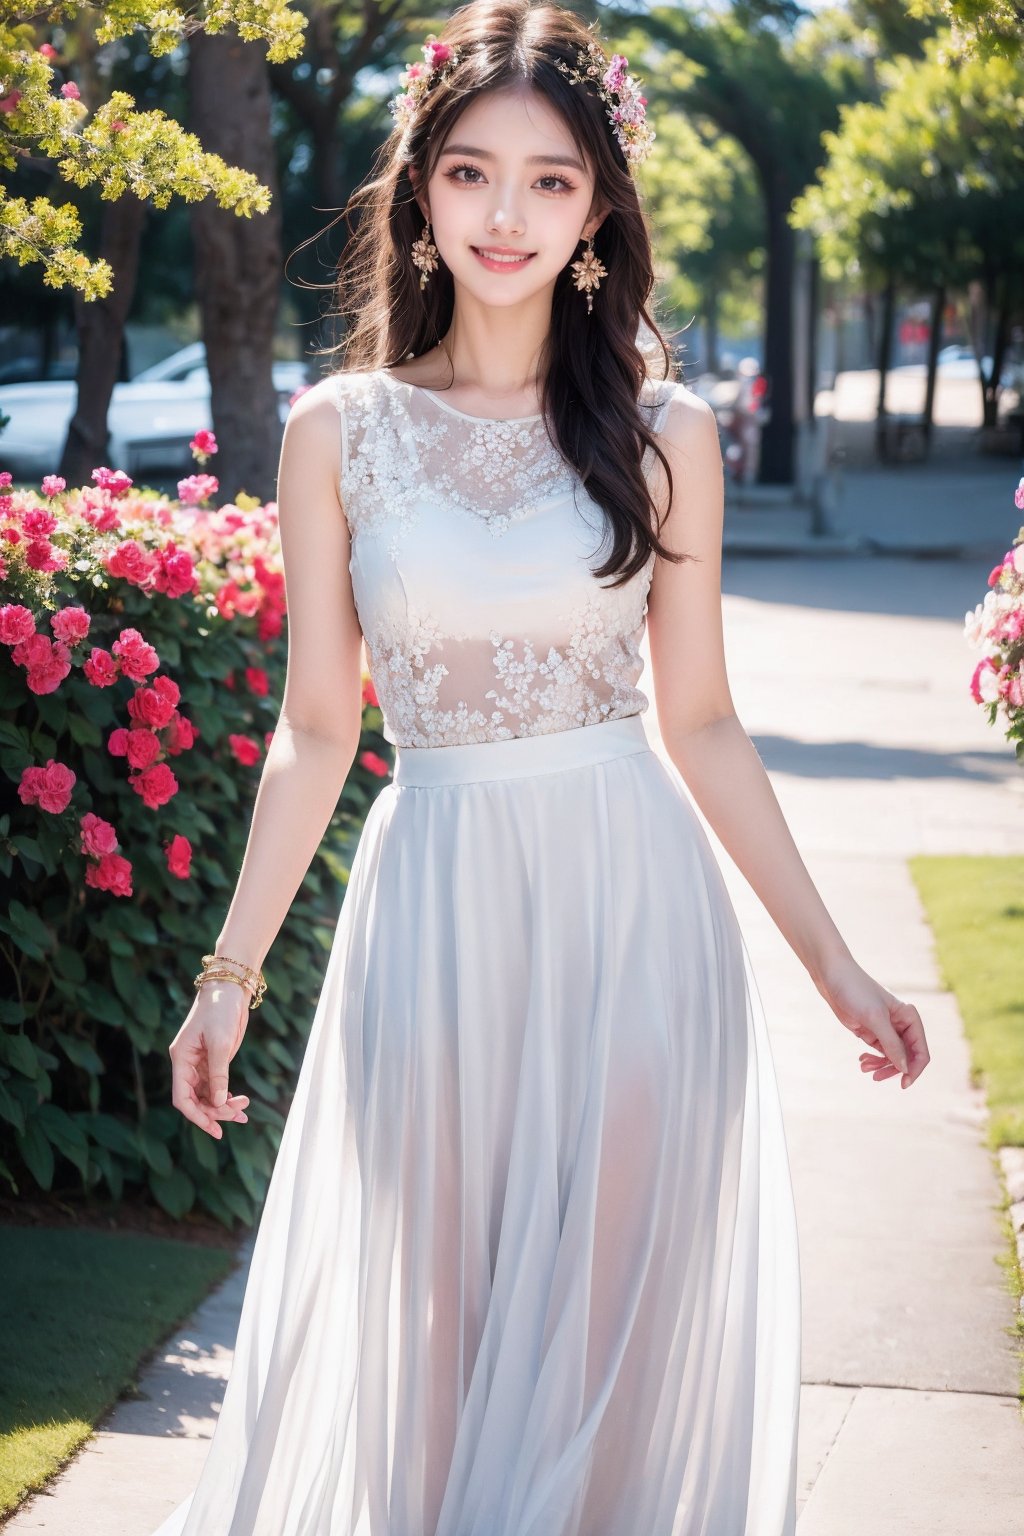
(151, 420)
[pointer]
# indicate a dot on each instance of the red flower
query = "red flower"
(154, 706)
(203, 442)
(39, 522)
(117, 742)
(142, 748)
(101, 668)
(156, 785)
(179, 855)
(70, 624)
(48, 662)
(375, 764)
(257, 680)
(16, 623)
(98, 836)
(369, 692)
(113, 480)
(41, 555)
(138, 659)
(130, 561)
(175, 573)
(245, 748)
(49, 787)
(113, 873)
(182, 734)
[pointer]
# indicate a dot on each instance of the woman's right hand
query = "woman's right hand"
(200, 1053)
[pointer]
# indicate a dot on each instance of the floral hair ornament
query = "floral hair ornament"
(439, 59)
(627, 109)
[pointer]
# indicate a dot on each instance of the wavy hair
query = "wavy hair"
(593, 367)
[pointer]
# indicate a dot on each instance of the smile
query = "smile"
(495, 260)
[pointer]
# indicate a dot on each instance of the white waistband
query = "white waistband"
(519, 756)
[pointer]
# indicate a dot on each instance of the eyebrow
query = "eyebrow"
(485, 154)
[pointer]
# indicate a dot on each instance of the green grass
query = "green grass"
(975, 906)
(81, 1309)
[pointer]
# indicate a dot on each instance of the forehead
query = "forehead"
(514, 125)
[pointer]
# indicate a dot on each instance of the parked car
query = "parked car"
(152, 417)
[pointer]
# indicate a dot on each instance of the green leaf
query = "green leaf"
(155, 1152)
(11, 1012)
(100, 1003)
(14, 761)
(236, 1201)
(112, 1133)
(53, 711)
(37, 1153)
(29, 925)
(21, 1053)
(111, 1170)
(65, 1134)
(11, 1110)
(13, 736)
(84, 732)
(70, 964)
(175, 1192)
(6, 1173)
(82, 1052)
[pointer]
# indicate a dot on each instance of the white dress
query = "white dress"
(527, 1264)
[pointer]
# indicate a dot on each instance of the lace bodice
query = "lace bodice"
(472, 542)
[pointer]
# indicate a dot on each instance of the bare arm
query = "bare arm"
(314, 743)
(719, 763)
(317, 732)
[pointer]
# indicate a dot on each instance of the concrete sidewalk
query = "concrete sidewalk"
(851, 677)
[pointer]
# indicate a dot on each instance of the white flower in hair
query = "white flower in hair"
(619, 90)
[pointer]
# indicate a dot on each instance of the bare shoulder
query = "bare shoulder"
(688, 423)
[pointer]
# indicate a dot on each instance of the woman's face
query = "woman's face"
(509, 178)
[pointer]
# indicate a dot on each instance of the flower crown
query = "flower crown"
(626, 108)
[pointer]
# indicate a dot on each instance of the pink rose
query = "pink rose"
(113, 480)
(98, 836)
(142, 748)
(16, 624)
(154, 706)
(156, 785)
(48, 662)
(49, 787)
(41, 555)
(52, 486)
(182, 734)
(39, 522)
(175, 572)
(246, 750)
(374, 763)
(130, 561)
(113, 873)
(101, 668)
(204, 442)
(138, 659)
(117, 742)
(69, 90)
(70, 625)
(197, 488)
(257, 680)
(179, 855)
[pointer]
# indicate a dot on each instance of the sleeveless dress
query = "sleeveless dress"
(527, 1263)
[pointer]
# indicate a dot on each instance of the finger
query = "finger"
(218, 1077)
(184, 1099)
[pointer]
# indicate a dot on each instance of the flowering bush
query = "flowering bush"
(997, 626)
(141, 664)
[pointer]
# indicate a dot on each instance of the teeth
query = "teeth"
(493, 256)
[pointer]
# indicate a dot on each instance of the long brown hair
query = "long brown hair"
(593, 366)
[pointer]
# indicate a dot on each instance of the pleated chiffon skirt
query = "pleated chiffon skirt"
(527, 1264)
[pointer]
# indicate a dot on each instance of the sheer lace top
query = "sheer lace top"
(472, 542)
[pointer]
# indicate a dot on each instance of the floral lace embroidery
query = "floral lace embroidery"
(446, 667)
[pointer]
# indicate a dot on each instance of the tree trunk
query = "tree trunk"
(711, 328)
(884, 356)
(238, 262)
(100, 324)
(777, 446)
(934, 343)
(990, 385)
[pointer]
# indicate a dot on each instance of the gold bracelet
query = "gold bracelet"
(258, 975)
(209, 974)
(253, 978)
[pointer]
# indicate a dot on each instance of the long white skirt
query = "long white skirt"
(528, 1262)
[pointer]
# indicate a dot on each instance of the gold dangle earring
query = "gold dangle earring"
(589, 272)
(425, 254)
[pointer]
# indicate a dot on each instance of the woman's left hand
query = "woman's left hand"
(892, 1028)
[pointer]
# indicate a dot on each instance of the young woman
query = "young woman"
(528, 1261)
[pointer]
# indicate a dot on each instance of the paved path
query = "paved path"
(851, 676)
